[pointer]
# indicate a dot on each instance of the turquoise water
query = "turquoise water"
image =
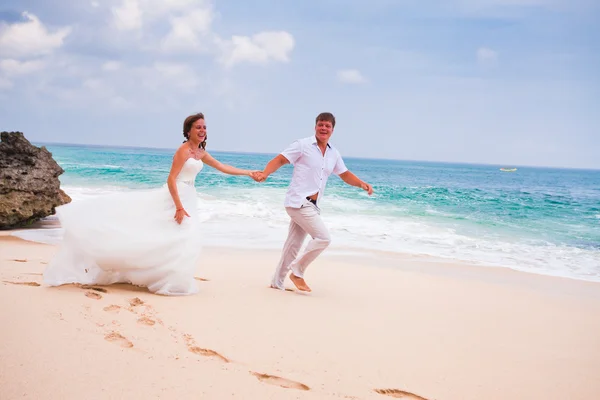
(539, 220)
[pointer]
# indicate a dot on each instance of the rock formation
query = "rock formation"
(29, 185)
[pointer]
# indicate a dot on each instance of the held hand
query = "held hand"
(179, 214)
(258, 176)
(368, 188)
(254, 175)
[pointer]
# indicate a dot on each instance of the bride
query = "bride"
(148, 238)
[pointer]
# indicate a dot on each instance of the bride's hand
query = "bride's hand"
(253, 175)
(179, 214)
(258, 176)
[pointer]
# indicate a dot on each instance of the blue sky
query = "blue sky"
(512, 82)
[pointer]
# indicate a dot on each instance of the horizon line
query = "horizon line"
(345, 157)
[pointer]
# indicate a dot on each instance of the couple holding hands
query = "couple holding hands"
(130, 237)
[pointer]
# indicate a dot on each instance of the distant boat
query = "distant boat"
(508, 169)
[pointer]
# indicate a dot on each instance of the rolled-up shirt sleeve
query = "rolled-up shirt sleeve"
(339, 167)
(293, 152)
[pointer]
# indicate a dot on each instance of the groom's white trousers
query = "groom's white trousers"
(304, 220)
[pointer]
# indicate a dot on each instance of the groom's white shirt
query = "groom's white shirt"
(311, 169)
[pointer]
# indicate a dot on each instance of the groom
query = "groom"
(314, 159)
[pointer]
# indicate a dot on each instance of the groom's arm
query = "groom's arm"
(276, 163)
(271, 167)
(288, 156)
(344, 173)
(354, 180)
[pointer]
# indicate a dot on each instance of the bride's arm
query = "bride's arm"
(178, 160)
(226, 169)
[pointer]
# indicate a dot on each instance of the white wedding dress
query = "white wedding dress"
(131, 237)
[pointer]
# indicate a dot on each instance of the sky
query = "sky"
(510, 82)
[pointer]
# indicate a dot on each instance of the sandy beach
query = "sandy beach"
(375, 327)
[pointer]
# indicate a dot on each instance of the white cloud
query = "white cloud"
(29, 38)
(187, 31)
(350, 76)
(159, 8)
(140, 72)
(16, 67)
(137, 14)
(127, 16)
(190, 31)
(487, 56)
(257, 49)
(111, 66)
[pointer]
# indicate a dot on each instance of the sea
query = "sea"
(539, 220)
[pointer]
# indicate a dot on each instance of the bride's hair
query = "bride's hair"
(187, 126)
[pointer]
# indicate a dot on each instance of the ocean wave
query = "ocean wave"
(539, 220)
(72, 165)
(255, 218)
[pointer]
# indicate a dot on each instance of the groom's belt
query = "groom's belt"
(311, 200)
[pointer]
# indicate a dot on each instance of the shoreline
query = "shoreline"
(348, 254)
(371, 329)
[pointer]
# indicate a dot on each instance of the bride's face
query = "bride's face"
(198, 131)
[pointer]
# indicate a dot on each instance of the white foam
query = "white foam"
(255, 218)
(81, 193)
(65, 164)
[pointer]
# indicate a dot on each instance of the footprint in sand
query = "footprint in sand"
(399, 394)
(97, 289)
(117, 338)
(112, 308)
(146, 321)
(189, 340)
(201, 279)
(92, 295)
(23, 283)
(146, 314)
(281, 382)
(19, 260)
(133, 303)
(207, 353)
(136, 301)
(191, 345)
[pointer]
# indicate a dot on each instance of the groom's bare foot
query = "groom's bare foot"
(300, 283)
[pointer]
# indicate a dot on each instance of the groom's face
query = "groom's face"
(323, 130)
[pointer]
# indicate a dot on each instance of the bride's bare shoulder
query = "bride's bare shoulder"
(182, 151)
(183, 147)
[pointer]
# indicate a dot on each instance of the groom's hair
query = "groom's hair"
(326, 117)
(187, 126)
